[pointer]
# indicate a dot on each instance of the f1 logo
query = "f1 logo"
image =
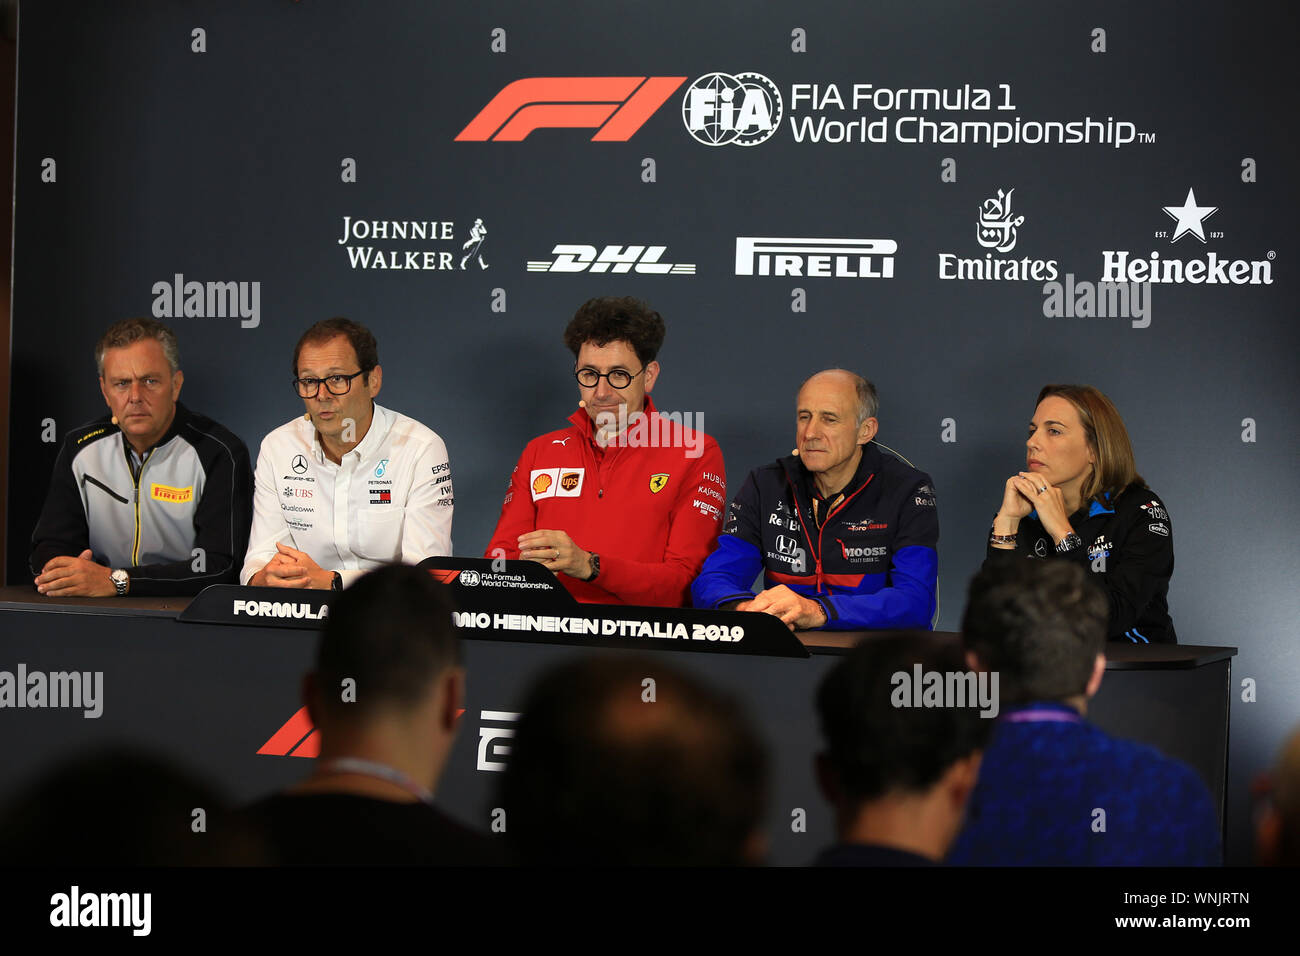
(615, 106)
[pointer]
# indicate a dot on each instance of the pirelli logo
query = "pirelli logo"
(167, 493)
(810, 258)
(614, 106)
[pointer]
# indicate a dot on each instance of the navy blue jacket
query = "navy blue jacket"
(1128, 546)
(873, 564)
(1045, 775)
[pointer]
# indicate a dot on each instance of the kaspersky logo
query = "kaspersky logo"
(614, 106)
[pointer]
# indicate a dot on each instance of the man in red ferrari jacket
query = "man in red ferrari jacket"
(623, 505)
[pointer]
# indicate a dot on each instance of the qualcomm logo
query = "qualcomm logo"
(827, 258)
(619, 259)
(1189, 219)
(742, 110)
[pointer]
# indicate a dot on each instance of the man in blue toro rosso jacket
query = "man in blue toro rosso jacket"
(844, 533)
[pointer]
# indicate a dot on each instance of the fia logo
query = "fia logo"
(381, 468)
(469, 578)
(720, 109)
(997, 228)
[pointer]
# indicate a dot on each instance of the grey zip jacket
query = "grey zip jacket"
(177, 522)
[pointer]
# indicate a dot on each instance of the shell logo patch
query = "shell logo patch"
(541, 483)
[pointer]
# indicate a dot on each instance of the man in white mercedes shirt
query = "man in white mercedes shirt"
(350, 485)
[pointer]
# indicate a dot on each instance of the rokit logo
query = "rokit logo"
(570, 257)
(1189, 219)
(615, 106)
(816, 258)
(742, 110)
(997, 228)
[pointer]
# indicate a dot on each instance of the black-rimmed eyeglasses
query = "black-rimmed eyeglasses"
(337, 384)
(618, 378)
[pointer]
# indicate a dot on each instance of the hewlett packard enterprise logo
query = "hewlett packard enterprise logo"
(826, 258)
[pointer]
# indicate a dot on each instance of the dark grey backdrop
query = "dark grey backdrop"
(225, 165)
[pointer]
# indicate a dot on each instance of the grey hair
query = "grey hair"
(129, 331)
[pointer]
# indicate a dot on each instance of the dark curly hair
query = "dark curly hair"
(617, 319)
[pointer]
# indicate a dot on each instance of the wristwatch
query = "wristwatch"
(1069, 543)
(595, 566)
(121, 580)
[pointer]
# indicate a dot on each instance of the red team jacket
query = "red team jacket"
(652, 513)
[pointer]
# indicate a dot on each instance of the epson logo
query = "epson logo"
(280, 609)
(198, 300)
(619, 259)
(816, 258)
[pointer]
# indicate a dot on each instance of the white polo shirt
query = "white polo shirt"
(389, 499)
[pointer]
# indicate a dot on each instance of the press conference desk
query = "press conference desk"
(223, 699)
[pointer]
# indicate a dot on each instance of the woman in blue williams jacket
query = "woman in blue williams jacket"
(1081, 499)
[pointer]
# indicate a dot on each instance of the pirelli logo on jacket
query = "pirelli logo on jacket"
(167, 493)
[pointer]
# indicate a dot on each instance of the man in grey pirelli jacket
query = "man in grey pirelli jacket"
(350, 485)
(154, 500)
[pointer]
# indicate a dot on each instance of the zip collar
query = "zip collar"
(800, 481)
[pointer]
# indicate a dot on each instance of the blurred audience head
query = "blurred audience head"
(388, 668)
(1041, 625)
(898, 775)
(122, 807)
(623, 760)
(1277, 827)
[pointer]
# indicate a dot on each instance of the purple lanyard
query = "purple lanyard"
(1043, 716)
(370, 768)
